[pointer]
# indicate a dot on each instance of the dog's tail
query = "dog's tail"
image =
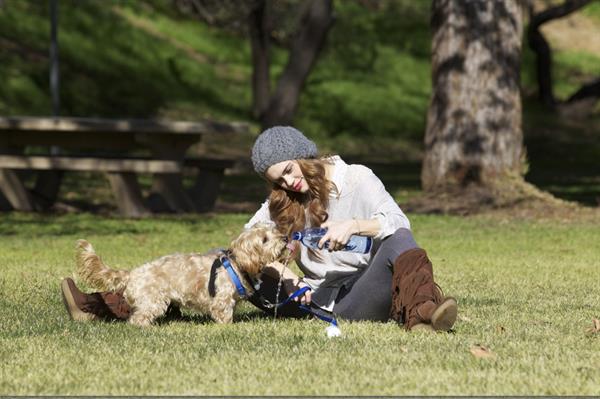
(95, 273)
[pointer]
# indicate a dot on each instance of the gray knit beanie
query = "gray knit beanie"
(278, 144)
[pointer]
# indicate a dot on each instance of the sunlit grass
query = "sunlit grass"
(525, 289)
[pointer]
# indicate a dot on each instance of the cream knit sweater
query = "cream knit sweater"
(361, 195)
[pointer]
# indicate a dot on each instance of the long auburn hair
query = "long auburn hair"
(289, 209)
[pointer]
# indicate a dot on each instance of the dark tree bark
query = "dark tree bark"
(539, 45)
(314, 27)
(259, 28)
(265, 21)
(589, 90)
(474, 130)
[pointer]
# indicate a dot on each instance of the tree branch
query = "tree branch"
(588, 90)
(539, 45)
(559, 11)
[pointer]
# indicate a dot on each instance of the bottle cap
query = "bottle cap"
(369, 244)
(333, 331)
(296, 235)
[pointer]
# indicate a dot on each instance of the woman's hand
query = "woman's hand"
(291, 281)
(292, 286)
(338, 233)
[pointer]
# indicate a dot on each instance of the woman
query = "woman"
(394, 280)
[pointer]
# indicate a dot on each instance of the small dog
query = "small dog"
(190, 280)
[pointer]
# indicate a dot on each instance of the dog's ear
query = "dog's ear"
(213, 275)
(248, 257)
(256, 247)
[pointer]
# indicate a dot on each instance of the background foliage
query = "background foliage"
(367, 97)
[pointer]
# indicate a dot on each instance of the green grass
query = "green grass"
(526, 291)
(573, 69)
(592, 10)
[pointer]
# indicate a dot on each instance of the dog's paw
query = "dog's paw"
(140, 321)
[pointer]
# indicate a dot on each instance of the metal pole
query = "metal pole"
(54, 71)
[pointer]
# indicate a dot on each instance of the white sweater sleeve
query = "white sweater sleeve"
(261, 216)
(380, 205)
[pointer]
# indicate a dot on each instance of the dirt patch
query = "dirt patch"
(574, 32)
(540, 211)
(517, 201)
(531, 209)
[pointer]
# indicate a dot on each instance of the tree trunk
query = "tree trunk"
(474, 130)
(314, 26)
(259, 29)
(543, 63)
(539, 45)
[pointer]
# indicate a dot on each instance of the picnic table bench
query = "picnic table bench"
(122, 149)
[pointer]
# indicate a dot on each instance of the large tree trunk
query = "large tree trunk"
(314, 26)
(474, 121)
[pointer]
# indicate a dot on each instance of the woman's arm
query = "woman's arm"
(370, 198)
(291, 281)
(338, 233)
(361, 227)
(373, 199)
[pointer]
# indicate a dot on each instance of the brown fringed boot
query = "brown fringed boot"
(96, 306)
(417, 300)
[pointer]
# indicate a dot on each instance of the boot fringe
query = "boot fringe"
(412, 285)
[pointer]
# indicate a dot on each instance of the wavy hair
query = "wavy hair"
(289, 210)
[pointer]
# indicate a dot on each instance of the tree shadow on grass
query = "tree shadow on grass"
(244, 316)
(173, 315)
(567, 168)
(82, 224)
(563, 164)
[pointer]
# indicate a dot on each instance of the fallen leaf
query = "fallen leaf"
(482, 352)
(595, 329)
(539, 322)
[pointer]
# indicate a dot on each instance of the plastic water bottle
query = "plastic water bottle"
(310, 237)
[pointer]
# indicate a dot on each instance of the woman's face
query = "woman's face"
(288, 175)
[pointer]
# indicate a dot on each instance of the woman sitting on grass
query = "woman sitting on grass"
(394, 280)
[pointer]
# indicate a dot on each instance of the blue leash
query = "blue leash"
(306, 308)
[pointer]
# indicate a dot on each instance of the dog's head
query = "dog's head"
(258, 246)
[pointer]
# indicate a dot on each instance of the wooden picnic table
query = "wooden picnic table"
(121, 148)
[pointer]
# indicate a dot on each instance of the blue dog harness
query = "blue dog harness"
(233, 276)
(226, 263)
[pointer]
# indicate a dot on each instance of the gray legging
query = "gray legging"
(370, 297)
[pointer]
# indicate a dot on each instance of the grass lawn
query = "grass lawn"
(527, 291)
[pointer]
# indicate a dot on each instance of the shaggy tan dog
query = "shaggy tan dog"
(189, 280)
